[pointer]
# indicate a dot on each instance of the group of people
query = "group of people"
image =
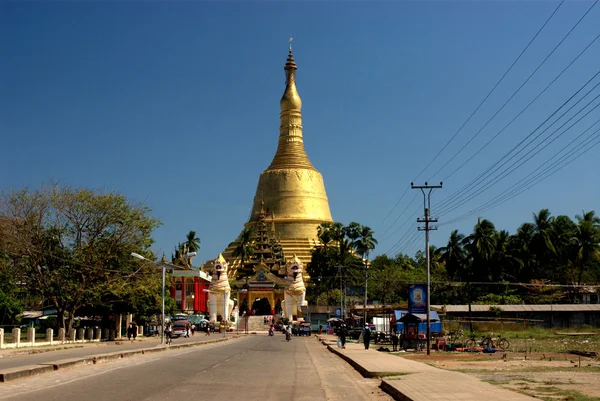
(365, 334)
(132, 331)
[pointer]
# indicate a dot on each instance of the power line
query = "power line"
(522, 160)
(491, 91)
(523, 110)
(397, 218)
(522, 186)
(477, 108)
(486, 173)
(518, 89)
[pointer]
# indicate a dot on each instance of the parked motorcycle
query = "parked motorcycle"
(288, 335)
(271, 332)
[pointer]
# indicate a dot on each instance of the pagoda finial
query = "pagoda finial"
(291, 99)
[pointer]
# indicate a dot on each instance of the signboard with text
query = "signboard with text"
(417, 298)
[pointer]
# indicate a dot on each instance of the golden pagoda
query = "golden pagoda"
(290, 193)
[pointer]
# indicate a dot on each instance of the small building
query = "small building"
(549, 315)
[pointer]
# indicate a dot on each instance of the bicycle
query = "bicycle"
(488, 342)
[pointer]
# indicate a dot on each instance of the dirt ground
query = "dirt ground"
(549, 376)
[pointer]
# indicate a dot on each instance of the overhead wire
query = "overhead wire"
(522, 111)
(460, 192)
(477, 108)
(518, 89)
(522, 160)
(524, 184)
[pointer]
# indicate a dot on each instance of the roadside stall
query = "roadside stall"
(413, 328)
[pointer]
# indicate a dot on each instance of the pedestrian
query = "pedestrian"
(169, 333)
(129, 332)
(343, 335)
(134, 330)
(187, 330)
(320, 329)
(366, 336)
(394, 340)
(207, 329)
(193, 328)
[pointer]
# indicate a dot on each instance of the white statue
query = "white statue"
(295, 290)
(219, 292)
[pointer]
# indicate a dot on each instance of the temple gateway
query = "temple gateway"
(289, 204)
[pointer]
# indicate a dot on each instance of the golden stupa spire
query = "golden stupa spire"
(290, 148)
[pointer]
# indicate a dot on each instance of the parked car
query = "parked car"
(179, 329)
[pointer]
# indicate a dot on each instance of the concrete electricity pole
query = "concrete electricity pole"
(427, 228)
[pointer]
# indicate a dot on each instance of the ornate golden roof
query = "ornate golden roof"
(290, 148)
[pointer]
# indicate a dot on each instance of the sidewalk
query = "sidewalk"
(408, 380)
(24, 362)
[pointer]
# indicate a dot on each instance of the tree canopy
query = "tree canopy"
(72, 247)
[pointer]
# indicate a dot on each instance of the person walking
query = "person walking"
(169, 333)
(394, 340)
(366, 336)
(343, 335)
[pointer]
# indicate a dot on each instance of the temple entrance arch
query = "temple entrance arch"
(261, 306)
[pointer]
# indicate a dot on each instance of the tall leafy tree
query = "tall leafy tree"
(542, 243)
(586, 242)
(74, 245)
(364, 243)
(453, 255)
(244, 248)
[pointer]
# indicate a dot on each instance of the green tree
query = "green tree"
(244, 248)
(542, 243)
(586, 242)
(74, 245)
(453, 255)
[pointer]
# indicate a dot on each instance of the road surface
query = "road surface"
(257, 367)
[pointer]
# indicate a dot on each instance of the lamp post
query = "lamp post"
(237, 318)
(366, 283)
(163, 267)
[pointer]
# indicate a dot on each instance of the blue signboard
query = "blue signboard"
(338, 312)
(417, 298)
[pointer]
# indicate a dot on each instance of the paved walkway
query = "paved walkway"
(409, 380)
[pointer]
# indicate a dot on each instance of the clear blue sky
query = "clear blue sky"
(176, 104)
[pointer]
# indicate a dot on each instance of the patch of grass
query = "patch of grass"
(555, 393)
(394, 375)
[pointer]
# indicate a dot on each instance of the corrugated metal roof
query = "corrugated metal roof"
(523, 308)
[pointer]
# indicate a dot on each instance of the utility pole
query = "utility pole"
(427, 228)
(366, 283)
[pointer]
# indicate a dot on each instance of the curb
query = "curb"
(364, 372)
(393, 391)
(34, 370)
(24, 371)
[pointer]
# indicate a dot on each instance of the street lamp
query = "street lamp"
(237, 318)
(163, 267)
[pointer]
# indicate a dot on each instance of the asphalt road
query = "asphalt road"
(11, 358)
(256, 367)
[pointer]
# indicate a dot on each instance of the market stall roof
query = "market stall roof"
(410, 318)
(401, 314)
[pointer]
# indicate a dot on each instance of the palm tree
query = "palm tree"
(364, 243)
(521, 245)
(324, 234)
(480, 246)
(505, 263)
(542, 241)
(192, 243)
(586, 242)
(244, 248)
(453, 255)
